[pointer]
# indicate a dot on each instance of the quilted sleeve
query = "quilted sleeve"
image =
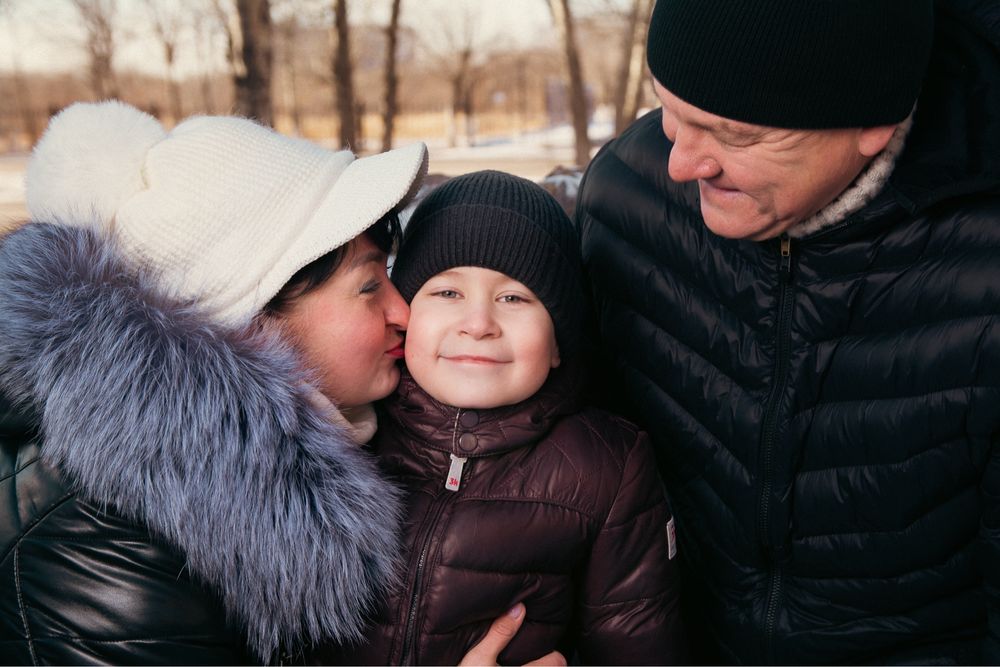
(630, 611)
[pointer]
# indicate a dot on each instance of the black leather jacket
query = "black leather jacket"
(179, 496)
(75, 569)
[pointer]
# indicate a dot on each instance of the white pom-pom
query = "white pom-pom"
(88, 162)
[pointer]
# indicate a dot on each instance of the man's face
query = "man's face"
(756, 181)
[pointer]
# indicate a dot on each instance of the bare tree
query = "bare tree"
(391, 77)
(453, 49)
(343, 76)
(21, 98)
(253, 87)
(563, 19)
(628, 95)
(98, 17)
(166, 26)
(286, 32)
(206, 19)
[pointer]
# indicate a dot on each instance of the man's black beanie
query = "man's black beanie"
(800, 64)
(497, 221)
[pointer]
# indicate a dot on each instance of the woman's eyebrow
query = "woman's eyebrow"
(376, 256)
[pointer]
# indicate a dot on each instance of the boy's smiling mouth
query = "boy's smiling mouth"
(472, 359)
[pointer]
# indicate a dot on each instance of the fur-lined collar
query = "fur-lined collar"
(430, 423)
(865, 187)
(206, 436)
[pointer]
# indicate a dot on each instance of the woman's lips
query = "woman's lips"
(396, 352)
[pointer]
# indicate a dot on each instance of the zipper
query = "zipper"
(411, 615)
(452, 482)
(770, 433)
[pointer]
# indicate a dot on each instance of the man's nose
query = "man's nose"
(691, 158)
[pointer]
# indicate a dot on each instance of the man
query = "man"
(795, 266)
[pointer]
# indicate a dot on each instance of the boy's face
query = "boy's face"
(479, 339)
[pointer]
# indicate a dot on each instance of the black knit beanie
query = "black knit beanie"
(502, 222)
(801, 64)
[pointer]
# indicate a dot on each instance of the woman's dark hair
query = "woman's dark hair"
(385, 234)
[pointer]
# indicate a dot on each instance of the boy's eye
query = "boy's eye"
(513, 298)
(446, 293)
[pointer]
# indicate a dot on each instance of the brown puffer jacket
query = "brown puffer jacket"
(562, 510)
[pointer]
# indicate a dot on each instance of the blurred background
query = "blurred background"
(526, 86)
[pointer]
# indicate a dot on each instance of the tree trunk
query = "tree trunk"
(577, 98)
(173, 87)
(628, 95)
(391, 77)
(343, 78)
(98, 20)
(461, 99)
(253, 89)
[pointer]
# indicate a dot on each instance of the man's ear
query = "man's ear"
(873, 140)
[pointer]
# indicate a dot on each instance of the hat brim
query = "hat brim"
(367, 189)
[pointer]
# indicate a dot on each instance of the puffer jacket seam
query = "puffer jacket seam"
(915, 325)
(640, 513)
(517, 499)
(493, 570)
(934, 446)
(19, 469)
(698, 291)
(616, 455)
(902, 530)
(882, 579)
(130, 640)
(910, 397)
(673, 400)
(687, 349)
(34, 523)
(893, 270)
(629, 601)
(21, 606)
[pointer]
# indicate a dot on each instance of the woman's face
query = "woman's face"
(350, 328)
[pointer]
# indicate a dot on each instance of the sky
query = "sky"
(46, 35)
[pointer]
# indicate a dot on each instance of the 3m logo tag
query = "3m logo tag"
(454, 478)
(671, 539)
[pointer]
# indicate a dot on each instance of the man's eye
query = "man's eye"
(371, 287)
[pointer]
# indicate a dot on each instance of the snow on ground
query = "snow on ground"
(11, 189)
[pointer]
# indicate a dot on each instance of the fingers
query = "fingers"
(496, 639)
(554, 659)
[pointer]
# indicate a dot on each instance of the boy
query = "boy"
(515, 493)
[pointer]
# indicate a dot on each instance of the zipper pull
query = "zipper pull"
(785, 264)
(455, 473)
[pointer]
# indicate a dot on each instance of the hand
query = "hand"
(498, 636)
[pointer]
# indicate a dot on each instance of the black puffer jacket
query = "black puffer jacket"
(176, 495)
(827, 421)
(557, 508)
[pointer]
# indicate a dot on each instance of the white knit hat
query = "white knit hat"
(223, 209)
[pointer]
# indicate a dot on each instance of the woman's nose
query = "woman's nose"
(690, 158)
(397, 312)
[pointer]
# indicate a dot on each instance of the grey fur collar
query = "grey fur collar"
(205, 436)
(865, 187)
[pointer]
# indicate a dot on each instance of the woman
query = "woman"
(188, 485)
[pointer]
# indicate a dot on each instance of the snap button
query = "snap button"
(467, 442)
(469, 419)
